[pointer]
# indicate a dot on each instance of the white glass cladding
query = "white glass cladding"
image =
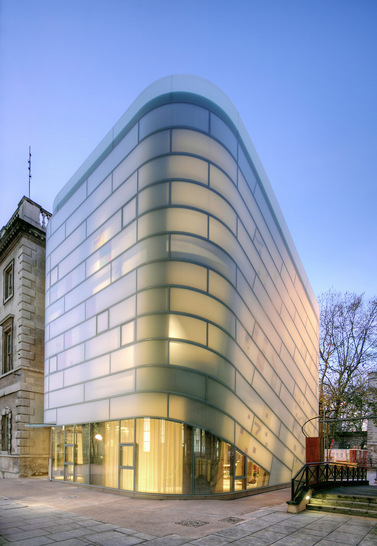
(173, 289)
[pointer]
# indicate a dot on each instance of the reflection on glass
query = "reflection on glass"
(57, 453)
(127, 455)
(240, 478)
(127, 431)
(213, 463)
(256, 476)
(240, 464)
(68, 435)
(126, 479)
(82, 453)
(154, 456)
(104, 454)
(68, 472)
(69, 454)
(160, 456)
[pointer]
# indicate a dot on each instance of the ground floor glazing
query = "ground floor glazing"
(151, 456)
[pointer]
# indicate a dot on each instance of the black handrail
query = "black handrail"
(318, 475)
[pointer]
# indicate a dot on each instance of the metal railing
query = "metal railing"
(317, 475)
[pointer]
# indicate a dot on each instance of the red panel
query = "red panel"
(313, 450)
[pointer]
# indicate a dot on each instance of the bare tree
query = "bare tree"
(347, 353)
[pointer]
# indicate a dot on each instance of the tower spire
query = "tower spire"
(29, 168)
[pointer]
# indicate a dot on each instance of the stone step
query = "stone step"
(350, 498)
(343, 510)
(344, 503)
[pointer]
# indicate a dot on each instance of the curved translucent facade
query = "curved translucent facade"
(181, 330)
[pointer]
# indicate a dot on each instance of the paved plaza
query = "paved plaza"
(36, 512)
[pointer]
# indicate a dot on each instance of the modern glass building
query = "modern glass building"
(181, 329)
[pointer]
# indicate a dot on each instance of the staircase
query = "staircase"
(350, 505)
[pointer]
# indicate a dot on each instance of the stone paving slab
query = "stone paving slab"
(48, 514)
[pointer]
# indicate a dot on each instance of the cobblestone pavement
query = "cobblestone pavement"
(41, 516)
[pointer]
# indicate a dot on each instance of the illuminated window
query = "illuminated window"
(147, 435)
(7, 346)
(8, 281)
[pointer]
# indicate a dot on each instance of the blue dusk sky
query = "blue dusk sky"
(301, 73)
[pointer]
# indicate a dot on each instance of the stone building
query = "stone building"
(23, 450)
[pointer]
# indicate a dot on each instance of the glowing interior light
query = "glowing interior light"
(98, 437)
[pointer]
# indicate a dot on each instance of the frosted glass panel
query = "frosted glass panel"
(89, 412)
(89, 205)
(67, 283)
(169, 379)
(174, 326)
(54, 311)
(56, 381)
(249, 444)
(193, 195)
(54, 346)
(119, 198)
(142, 353)
(173, 166)
(103, 343)
(221, 131)
(246, 169)
(120, 243)
(181, 273)
(111, 385)
(220, 396)
(53, 364)
(195, 303)
(135, 405)
(66, 210)
(102, 322)
(68, 396)
(221, 235)
(70, 318)
(152, 301)
(219, 341)
(203, 360)
(111, 295)
(194, 249)
(88, 370)
(172, 220)
(116, 155)
(56, 239)
(128, 332)
(80, 333)
(153, 197)
(148, 250)
(71, 357)
(68, 245)
(196, 143)
(123, 311)
(53, 275)
(152, 146)
(91, 286)
(129, 212)
(170, 115)
(105, 232)
(184, 409)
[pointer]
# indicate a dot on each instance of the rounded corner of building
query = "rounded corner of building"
(178, 323)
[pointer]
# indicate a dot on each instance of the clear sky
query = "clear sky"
(301, 73)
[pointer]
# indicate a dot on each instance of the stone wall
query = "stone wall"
(22, 388)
